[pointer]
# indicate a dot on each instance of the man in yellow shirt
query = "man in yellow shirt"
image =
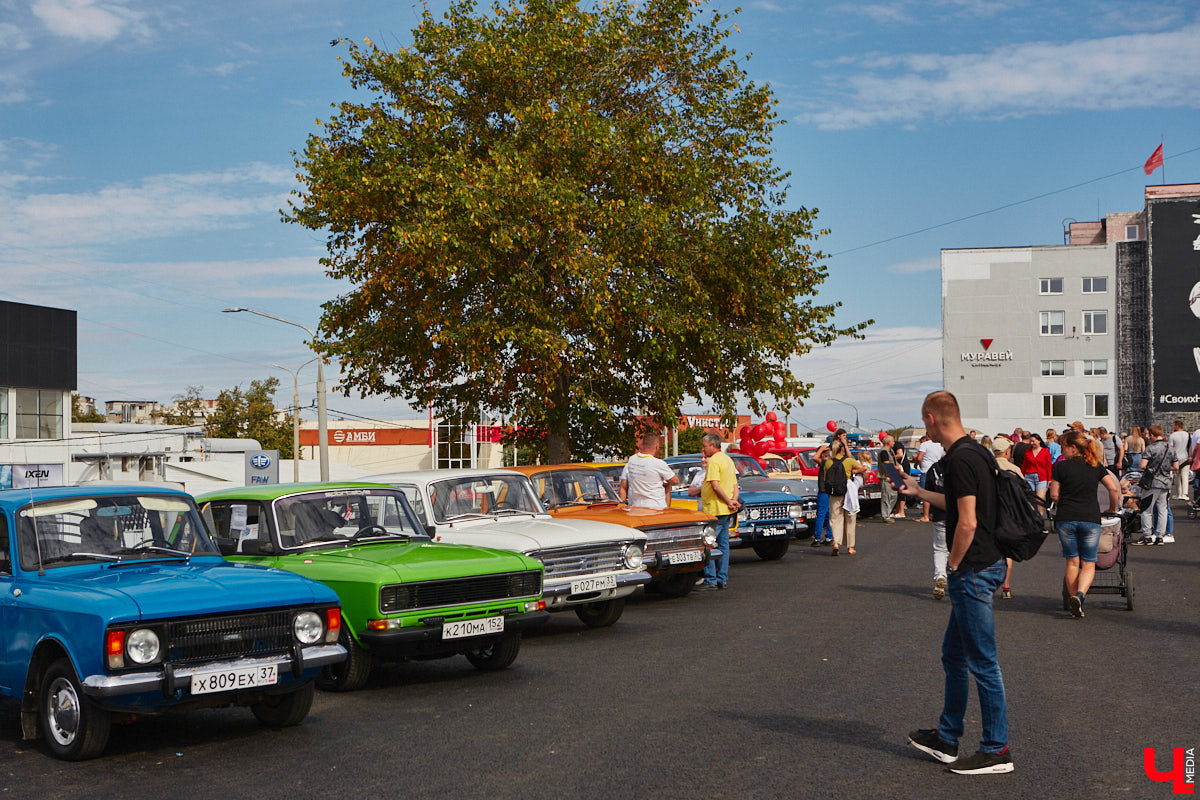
(718, 496)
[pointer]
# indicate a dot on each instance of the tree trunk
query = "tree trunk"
(558, 424)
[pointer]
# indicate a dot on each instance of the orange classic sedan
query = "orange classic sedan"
(679, 541)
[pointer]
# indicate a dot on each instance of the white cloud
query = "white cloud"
(13, 38)
(89, 20)
(1118, 72)
(160, 205)
(913, 267)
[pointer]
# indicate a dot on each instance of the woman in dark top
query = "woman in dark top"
(1073, 487)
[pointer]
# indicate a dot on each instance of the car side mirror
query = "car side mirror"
(226, 545)
(254, 547)
(431, 531)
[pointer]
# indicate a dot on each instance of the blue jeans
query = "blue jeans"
(717, 570)
(822, 529)
(1079, 539)
(969, 648)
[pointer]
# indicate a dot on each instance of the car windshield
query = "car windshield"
(748, 466)
(340, 516)
(55, 533)
(565, 487)
(806, 458)
(613, 473)
(776, 464)
(686, 471)
(485, 495)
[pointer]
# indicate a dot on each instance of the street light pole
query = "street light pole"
(322, 416)
(843, 402)
(295, 416)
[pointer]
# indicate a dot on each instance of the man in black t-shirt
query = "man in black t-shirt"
(975, 571)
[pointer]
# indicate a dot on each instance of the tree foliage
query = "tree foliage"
(567, 216)
(188, 407)
(251, 415)
(82, 413)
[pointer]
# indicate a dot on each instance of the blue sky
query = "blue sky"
(145, 153)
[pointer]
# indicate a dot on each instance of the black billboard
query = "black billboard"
(1174, 233)
(37, 347)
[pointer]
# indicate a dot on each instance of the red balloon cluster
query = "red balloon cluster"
(758, 440)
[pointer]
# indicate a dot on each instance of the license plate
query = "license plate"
(472, 627)
(234, 678)
(773, 531)
(585, 585)
(689, 557)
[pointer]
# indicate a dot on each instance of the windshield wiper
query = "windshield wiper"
(468, 515)
(82, 555)
(157, 548)
(500, 511)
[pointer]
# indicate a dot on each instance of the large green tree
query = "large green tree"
(564, 214)
(251, 414)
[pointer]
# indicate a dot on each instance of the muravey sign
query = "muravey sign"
(262, 466)
(986, 357)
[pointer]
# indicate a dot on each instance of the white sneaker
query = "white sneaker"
(1168, 540)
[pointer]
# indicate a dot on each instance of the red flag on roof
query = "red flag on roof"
(1154, 161)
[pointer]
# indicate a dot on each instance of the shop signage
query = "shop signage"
(985, 357)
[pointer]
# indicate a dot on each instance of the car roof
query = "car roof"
(273, 491)
(15, 498)
(425, 476)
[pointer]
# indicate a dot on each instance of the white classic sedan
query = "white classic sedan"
(591, 567)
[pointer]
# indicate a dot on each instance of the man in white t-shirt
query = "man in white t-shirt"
(928, 454)
(646, 480)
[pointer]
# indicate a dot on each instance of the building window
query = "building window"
(1097, 285)
(39, 414)
(1050, 286)
(1095, 405)
(1132, 233)
(1095, 322)
(1053, 323)
(3, 413)
(1054, 405)
(1054, 368)
(453, 446)
(1096, 367)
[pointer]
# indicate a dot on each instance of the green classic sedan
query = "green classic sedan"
(403, 596)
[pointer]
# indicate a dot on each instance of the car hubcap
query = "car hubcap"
(63, 711)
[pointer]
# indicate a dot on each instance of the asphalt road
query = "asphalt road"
(799, 681)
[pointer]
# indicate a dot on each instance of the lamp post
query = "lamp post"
(322, 416)
(885, 422)
(843, 402)
(295, 415)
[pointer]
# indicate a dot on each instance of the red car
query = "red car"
(800, 459)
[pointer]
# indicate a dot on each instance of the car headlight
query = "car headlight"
(308, 627)
(710, 535)
(796, 510)
(743, 515)
(787, 489)
(142, 646)
(633, 556)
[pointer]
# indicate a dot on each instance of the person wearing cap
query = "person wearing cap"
(1002, 449)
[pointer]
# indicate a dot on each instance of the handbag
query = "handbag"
(1148, 474)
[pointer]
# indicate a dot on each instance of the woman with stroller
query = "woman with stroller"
(1073, 488)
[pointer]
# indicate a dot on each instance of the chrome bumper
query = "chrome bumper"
(561, 587)
(167, 678)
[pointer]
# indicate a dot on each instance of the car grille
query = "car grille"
(233, 636)
(767, 511)
(459, 591)
(661, 540)
(569, 562)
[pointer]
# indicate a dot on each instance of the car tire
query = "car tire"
(772, 551)
(351, 674)
(286, 709)
(500, 654)
(74, 728)
(679, 585)
(600, 614)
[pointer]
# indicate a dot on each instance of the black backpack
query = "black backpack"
(835, 478)
(1021, 525)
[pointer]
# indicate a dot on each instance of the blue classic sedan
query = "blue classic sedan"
(115, 601)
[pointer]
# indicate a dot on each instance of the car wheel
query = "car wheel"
(500, 654)
(676, 586)
(772, 551)
(601, 614)
(348, 675)
(74, 728)
(285, 710)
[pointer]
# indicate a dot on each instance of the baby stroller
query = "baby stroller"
(1116, 531)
